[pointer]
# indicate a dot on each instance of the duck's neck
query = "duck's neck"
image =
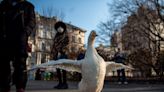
(91, 43)
(91, 49)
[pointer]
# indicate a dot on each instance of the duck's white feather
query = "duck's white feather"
(112, 66)
(66, 64)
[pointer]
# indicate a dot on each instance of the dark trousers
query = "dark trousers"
(61, 75)
(19, 77)
(121, 75)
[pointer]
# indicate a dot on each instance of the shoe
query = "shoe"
(119, 82)
(125, 82)
(59, 86)
(20, 90)
(65, 86)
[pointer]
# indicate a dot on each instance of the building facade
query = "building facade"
(41, 41)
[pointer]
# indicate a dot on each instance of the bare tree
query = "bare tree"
(53, 12)
(59, 14)
(106, 31)
(147, 22)
(153, 11)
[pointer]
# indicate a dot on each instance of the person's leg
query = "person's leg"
(64, 85)
(59, 79)
(5, 75)
(118, 75)
(79, 76)
(123, 76)
(19, 76)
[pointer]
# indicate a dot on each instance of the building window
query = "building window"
(43, 47)
(43, 59)
(73, 39)
(73, 49)
(80, 40)
(44, 34)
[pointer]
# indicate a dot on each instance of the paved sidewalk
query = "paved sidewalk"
(47, 86)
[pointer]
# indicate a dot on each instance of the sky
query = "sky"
(85, 14)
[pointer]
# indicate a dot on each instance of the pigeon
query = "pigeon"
(93, 67)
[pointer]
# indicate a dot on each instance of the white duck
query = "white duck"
(92, 67)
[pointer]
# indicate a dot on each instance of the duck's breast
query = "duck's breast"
(93, 71)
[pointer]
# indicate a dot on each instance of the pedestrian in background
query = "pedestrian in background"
(119, 57)
(17, 22)
(60, 44)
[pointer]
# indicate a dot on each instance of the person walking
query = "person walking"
(58, 51)
(17, 22)
(120, 58)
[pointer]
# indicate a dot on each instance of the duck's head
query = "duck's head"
(93, 35)
(91, 38)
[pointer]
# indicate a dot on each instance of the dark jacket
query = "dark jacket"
(119, 58)
(60, 42)
(80, 56)
(17, 22)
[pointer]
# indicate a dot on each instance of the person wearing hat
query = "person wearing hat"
(58, 51)
(17, 22)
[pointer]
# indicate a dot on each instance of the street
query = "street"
(47, 86)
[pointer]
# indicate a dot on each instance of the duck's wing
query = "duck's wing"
(66, 64)
(112, 66)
